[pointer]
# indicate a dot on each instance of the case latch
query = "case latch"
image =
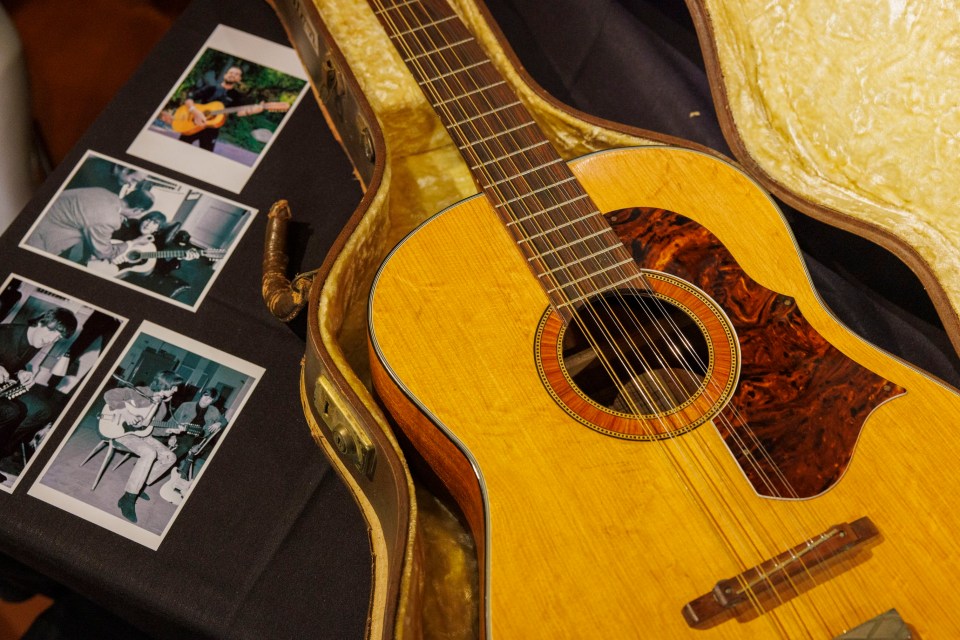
(347, 435)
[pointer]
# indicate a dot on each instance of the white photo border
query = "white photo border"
(204, 165)
(115, 522)
(90, 153)
(78, 390)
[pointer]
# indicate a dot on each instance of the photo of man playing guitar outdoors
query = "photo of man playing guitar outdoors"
(225, 92)
(229, 106)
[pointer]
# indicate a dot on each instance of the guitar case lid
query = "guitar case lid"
(849, 112)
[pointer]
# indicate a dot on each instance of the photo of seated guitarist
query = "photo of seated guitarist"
(202, 412)
(135, 410)
(147, 236)
(227, 92)
(19, 343)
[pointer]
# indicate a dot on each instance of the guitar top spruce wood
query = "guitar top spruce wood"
(654, 427)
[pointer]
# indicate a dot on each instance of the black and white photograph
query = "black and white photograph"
(148, 435)
(223, 114)
(139, 229)
(49, 343)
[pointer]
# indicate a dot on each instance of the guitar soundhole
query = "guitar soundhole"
(641, 365)
(635, 354)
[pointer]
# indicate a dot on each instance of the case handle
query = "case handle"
(284, 298)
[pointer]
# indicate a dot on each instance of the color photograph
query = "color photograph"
(140, 230)
(148, 435)
(226, 110)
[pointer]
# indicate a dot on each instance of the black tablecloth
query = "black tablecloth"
(270, 544)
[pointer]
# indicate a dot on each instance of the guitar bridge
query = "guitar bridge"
(781, 577)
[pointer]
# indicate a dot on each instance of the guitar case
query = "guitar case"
(424, 573)
(851, 117)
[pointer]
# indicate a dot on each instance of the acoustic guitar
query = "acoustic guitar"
(623, 375)
(143, 258)
(117, 424)
(215, 114)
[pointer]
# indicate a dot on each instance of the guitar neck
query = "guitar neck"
(268, 106)
(567, 242)
(169, 425)
(228, 110)
(11, 389)
(175, 253)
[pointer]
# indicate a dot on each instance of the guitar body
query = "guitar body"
(132, 261)
(584, 533)
(125, 422)
(174, 490)
(216, 115)
(183, 122)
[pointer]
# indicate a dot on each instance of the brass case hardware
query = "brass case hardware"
(347, 435)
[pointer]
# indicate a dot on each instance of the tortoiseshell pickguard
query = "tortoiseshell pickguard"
(803, 400)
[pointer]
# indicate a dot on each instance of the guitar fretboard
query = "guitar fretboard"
(11, 389)
(175, 253)
(567, 242)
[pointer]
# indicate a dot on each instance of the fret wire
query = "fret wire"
(608, 287)
(439, 49)
(511, 154)
(502, 107)
(534, 192)
(538, 212)
(585, 218)
(496, 135)
(590, 276)
(528, 171)
(395, 6)
(568, 245)
(446, 74)
(400, 34)
(581, 259)
(474, 91)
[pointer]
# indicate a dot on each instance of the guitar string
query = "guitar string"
(437, 74)
(733, 431)
(697, 355)
(438, 100)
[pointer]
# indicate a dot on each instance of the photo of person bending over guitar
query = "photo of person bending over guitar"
(130, 417)
(138, 228)
(80, 223)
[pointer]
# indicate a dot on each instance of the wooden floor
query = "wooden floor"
(15, 618)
